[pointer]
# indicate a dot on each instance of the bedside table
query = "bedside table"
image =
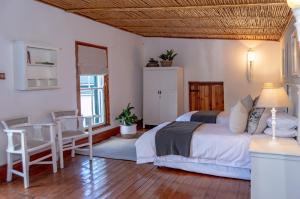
(275, 168)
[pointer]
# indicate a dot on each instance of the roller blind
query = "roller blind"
(92, 60)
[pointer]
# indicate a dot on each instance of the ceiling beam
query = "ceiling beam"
(239, 37)
(202, 33)
(207, 27)
(193, 18)
(134, 9)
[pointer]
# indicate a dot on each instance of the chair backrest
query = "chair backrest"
(66, 122)
(15, 122)
(20, 122)
(61, 114)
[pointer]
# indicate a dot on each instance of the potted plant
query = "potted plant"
(127, 121)
(167, 57)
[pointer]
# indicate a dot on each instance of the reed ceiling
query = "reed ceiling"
(213, 19)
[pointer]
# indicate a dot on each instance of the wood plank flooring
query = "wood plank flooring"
(106, 178)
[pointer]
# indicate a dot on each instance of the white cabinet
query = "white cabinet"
(35, 67)
(275, 168)
(163, 94)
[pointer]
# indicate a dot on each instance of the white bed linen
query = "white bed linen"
(214, 149)
(222, 118)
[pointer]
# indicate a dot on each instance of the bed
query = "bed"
(222, 118)
(214, 151)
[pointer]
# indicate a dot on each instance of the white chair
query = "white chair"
(25, 139)
(70, 127)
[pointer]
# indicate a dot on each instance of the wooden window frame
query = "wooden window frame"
(105, 89)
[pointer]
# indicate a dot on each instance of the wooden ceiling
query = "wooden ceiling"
(213, 19)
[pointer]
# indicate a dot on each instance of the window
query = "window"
(92, 82)
(92, 97)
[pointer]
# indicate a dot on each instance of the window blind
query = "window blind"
(92, 61)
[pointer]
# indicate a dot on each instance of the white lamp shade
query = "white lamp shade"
(293, 3)
(273, 97)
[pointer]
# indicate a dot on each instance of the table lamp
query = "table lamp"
(273, 97)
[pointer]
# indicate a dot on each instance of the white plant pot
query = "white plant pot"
(128, 130)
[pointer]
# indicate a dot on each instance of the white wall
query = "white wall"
(221, 60)
(32, 21)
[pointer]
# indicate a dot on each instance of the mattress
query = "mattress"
(222, 118)
(214, 150)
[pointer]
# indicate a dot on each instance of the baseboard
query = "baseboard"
(96, 139)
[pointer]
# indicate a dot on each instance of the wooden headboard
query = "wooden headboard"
(206, 96)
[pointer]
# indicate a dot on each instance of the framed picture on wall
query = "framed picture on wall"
(294, 52)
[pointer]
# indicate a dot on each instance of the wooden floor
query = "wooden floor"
(106, 178)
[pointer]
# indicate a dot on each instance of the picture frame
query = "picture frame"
(294, 53)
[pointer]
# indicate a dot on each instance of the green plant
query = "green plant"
(169, 55)
(126, 117)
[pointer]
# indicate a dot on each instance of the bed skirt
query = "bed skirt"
(210, 169)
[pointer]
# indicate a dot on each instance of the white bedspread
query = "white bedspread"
(211, 144)
(222, 118)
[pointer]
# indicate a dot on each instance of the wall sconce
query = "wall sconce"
(251, 58)
(295, 5)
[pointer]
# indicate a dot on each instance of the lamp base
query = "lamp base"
(273, 111)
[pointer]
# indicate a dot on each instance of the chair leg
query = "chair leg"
(9, 168)
(73, 150)
(61, 153)
(25, 165)
(91, 146)
(54, 158)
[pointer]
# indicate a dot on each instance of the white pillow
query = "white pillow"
(238, 118)
(284, 133)
(247, 102)
(284, 121)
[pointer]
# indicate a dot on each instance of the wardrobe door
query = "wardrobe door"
(168, 80)
(151, 97)
(168, 106)
(151, 107)
(151, 80)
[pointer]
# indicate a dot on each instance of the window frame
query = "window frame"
(105, 86)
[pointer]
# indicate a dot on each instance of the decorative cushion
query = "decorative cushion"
(247, 102)
(284, 121)
(255, 101)
(257, 120)
(285, 133)
(238, 118)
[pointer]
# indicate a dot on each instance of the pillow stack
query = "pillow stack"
(286, 125)
(245, 116)
(257, 120)
(238, 118)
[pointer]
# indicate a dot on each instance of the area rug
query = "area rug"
(114, 148)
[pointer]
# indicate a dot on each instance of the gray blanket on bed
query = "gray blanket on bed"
(175, 138)
(205, 116)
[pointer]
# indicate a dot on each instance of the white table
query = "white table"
(275, 168)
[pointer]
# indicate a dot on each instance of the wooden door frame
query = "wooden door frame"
(106, 83)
